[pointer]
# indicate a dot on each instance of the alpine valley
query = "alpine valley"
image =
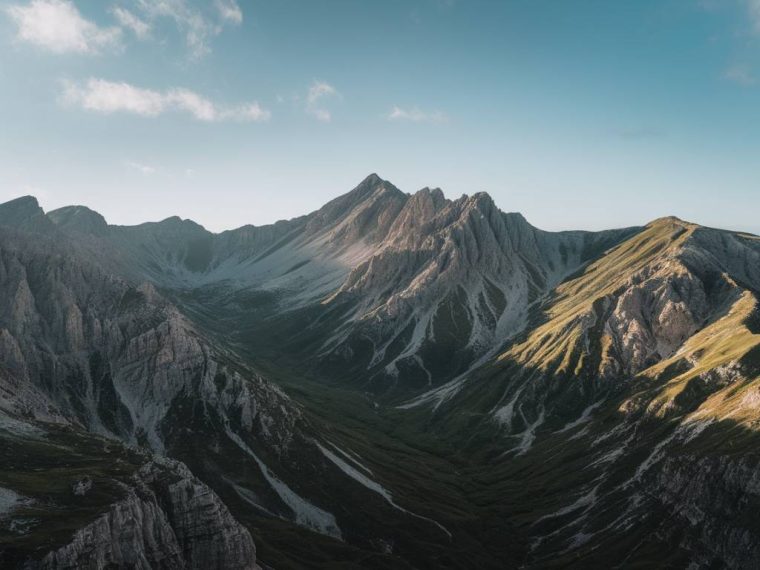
(392, 381)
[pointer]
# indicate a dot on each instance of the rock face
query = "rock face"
(119, 353)
(718, 498)
(91, 346)
(451, 282)
(169, 519)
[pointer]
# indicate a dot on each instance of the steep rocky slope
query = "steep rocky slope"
(82, 501)
(631, 402)
(88, 350)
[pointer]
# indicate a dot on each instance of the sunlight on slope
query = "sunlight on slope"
(559, 343)
(714, 357)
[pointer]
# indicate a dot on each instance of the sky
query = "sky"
(580, 114)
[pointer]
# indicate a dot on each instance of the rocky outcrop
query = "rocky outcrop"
(169, 519)
(717, 498)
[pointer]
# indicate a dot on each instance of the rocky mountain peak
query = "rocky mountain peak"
(480, 201)
(365, 212)
(175, 222)
(23, 211)
(79, 218)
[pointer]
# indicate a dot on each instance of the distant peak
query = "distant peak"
(22, 202)
(482, 201)
(20, 210)
(79, 218)
(371, 185)
(372, 179)
(180, 222)
(669, 220)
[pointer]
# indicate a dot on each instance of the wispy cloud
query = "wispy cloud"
(131, 22)
(230, 11)
(199, 26)
(59, 27)
(108, 97)
(318, 93)
(144, 169)
(740, 74)
(416, 115)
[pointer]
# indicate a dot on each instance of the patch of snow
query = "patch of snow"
(620, 428)
(584, 417)
(610, 456)
(352, 457)
(652, 458)
(583, 502)
(505, 413)
(306, 514)
(373, 486)
(529, 435)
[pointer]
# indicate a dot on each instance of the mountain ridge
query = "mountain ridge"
(372, 382)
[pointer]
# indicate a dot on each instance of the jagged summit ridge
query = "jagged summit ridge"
(417, 276)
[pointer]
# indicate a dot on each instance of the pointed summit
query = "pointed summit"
(369, 191)
(369, 186)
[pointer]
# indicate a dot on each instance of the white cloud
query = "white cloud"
(320, 89)
(198, 26)
(144, 169)
(416, 115)
(109, 97)
(128, 20)
(230, 11)
(318, 92)
(57, 26)
(741, 74)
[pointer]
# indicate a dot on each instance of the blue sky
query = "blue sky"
(579, 114)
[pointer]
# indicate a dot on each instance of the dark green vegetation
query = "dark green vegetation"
(44, 469)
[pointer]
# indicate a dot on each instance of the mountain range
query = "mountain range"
(391, 381)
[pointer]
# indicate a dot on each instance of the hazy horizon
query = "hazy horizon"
(150, 219)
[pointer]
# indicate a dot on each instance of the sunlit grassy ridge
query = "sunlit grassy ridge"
(561, 342)
(724, 349)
